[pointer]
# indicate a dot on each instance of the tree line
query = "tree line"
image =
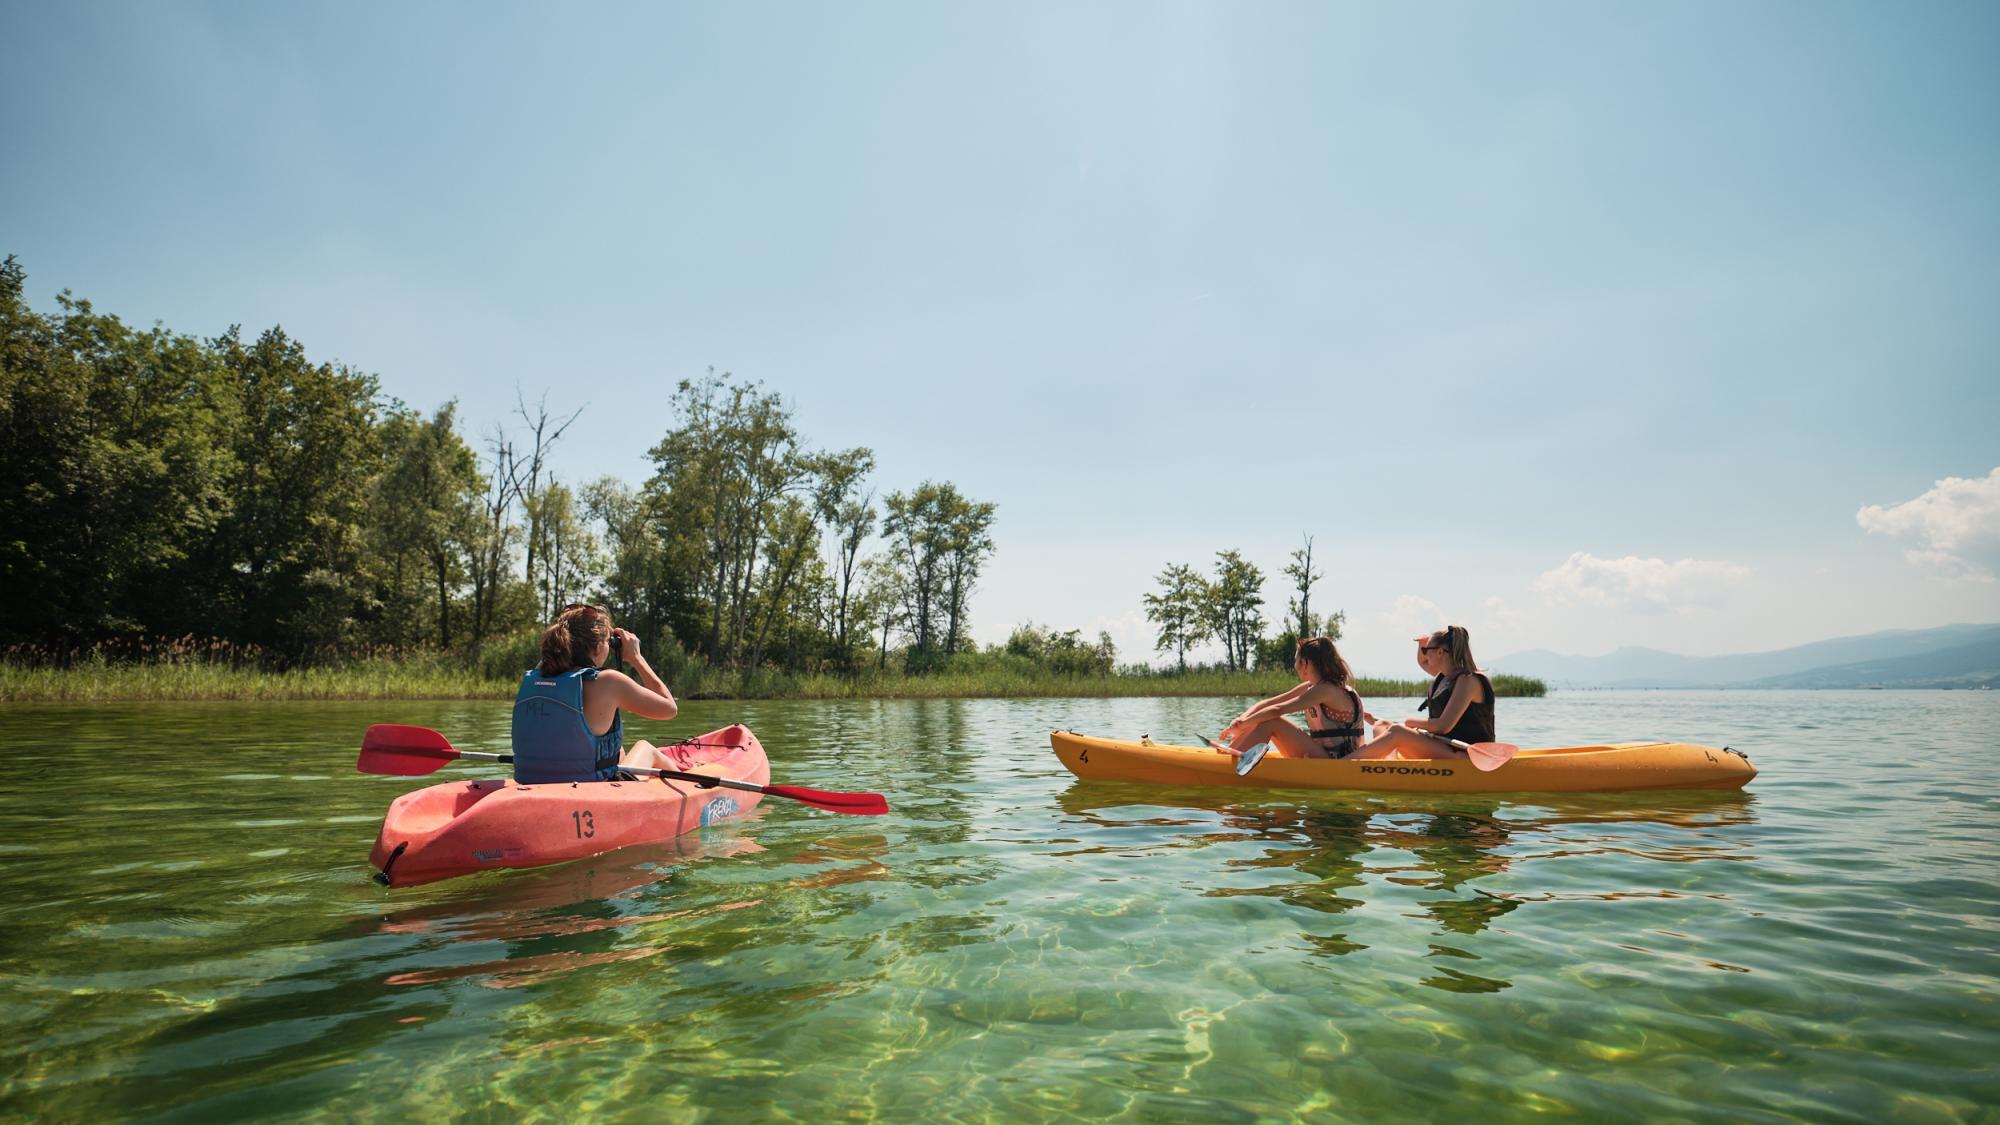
(1189, 609)
(158, 485)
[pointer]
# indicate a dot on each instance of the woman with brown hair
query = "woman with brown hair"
(1459, 705)
(568, 724)
(1332, 710)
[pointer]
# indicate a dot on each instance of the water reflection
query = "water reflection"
(1332, 854)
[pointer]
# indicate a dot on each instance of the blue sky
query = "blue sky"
(1580, 324)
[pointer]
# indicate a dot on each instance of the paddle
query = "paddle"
(1248, 759)
(1486, 756)
(405, 751)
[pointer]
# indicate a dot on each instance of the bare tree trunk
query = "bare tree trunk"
(538, 425)
(784, 582)
(444, 604)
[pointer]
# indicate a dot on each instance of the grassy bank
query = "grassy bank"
(434, 677)
(111, 683)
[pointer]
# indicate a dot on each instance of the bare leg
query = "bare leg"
(1287, 739)
(644, 755)
(1406, 744)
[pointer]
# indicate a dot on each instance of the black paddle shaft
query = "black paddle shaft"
(702, 781)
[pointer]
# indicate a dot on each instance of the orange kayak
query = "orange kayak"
(1565, 769)
(459, 827)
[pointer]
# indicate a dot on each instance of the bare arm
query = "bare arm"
(643, 693)
(1276, 705)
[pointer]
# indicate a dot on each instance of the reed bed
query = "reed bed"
(99, 678)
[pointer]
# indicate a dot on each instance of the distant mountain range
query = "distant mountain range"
(1954, 656)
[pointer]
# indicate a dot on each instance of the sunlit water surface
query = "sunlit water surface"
(188, 931)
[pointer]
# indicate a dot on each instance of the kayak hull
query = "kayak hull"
(460, 827)
(1612, 768)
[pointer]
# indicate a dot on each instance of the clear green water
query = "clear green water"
(187, 929)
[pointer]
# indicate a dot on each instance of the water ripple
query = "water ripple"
(1011, 943)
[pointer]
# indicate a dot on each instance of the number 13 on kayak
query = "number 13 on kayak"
(576, 790)
(459, 827)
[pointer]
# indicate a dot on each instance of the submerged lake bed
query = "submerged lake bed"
(192, 933)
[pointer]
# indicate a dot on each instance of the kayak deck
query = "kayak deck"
(459, 827)
(1563, 769)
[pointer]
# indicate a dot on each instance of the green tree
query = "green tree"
(939, 540)
(1180, 612)
(1300, 620)
(914, 526)
(286, 568)
(850, 515)
(882, 604)
(1065, 653)
(793, 537)
(498, 603)
(571, 557)
(1300, 571)
(968, 544)
(115, 468)
(427, 505)
(644, 593)
(1233, 602)
(720, 477)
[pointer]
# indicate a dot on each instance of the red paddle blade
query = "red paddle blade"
(402, 751)
(1490, 756)
(853, 804)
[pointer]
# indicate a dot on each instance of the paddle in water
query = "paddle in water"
(405, 751)
(1246, 760)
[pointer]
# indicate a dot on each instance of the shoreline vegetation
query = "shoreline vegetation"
(424, 676)
(230, 519)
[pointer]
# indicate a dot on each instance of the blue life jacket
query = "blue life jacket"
(552, 741)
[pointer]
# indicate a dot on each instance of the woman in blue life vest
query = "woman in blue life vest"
(567, 721)
(1459, 705)
(1332, 710)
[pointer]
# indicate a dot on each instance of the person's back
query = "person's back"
(552, 739)
(568, 720)
(1334, 722)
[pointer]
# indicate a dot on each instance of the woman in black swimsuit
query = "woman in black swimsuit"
(1460, 703)
(1332, 710)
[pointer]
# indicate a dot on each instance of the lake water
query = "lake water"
(188, 931)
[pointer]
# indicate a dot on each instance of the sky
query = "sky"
(1579, 324)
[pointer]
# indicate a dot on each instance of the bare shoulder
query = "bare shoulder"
(616, 682)
(1323, 692)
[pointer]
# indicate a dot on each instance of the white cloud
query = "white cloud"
(1419, 615)
(1500, 615)
(1957, 522)
(1653, 585)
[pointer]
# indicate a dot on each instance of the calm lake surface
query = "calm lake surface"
(188, 931)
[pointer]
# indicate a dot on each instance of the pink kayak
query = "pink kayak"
(459, 827)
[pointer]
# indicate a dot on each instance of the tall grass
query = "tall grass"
(186, 670)
(98, 680)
